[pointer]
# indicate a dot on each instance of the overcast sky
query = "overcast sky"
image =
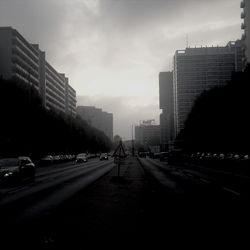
(113, 50)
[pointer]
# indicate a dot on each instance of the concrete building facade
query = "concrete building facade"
(54, 89)
(147, 134)
(18, 58)
(26, 62)
(200, 69)
(70, 99)
(166, 100)
(245, 26)
(97, 118)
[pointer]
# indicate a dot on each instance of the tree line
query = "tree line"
(28, 128)
(219, 120)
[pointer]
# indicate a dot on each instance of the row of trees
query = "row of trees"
(26, 127)
(219, 120)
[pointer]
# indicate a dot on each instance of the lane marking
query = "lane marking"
(204, 180)
(231, 191)
(17, 189)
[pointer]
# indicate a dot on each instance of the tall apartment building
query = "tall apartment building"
(18, 58)
(147, 134)
(70, 99)
(97, 118)
(24, 61)
(200, 69)
(245, 26)
(166, 94)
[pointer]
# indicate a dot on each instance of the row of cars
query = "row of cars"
(197, 157)
(50, 159)
(220, 156)
(228, 158)
(84, 157)
(22, 168)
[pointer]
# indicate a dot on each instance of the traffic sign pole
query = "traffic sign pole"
(118, 154)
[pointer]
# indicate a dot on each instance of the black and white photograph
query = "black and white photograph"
(124, 122)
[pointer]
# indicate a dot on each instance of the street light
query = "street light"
(133, 148)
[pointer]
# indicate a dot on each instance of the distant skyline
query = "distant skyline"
(113, 50)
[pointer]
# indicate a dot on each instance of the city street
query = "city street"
(195, 180)
(150, 200)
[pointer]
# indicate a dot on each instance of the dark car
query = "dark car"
(104, 156)
(142, 154)
(164, 156)
(16, 169)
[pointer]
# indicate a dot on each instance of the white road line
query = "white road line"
(17, 190)
(204, 180)
(231, 191)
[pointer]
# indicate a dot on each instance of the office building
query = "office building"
(26, 62)
(166, 95)
(245, 26)
(147, 134)
(200, 69)
(97, 118)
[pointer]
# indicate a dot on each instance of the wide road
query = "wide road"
(150, 201)
(53, 185)
(190, 179)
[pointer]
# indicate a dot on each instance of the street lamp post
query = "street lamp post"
(133, 148)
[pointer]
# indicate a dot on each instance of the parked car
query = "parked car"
(246, 158)
(142, 154)
(81, 158)
(164, 156)
(57, 158)
(104, 156)
(48, 159)
(16, 169)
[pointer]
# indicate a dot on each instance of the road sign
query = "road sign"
(118, 155)
(119, 151)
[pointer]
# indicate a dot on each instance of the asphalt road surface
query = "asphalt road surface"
(150, 201)
(53, 185)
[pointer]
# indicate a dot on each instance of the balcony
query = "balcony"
(243, 26)
(243, 37)
(242, 15)
(242, 4)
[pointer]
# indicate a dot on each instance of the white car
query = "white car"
(81, 158)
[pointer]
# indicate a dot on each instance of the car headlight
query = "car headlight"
(8, 174)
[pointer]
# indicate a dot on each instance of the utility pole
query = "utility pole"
(118, 155)
(187, 42)
(133, 147)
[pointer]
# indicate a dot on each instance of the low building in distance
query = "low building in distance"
(24, 61)
(147, 135)
(97, 118)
